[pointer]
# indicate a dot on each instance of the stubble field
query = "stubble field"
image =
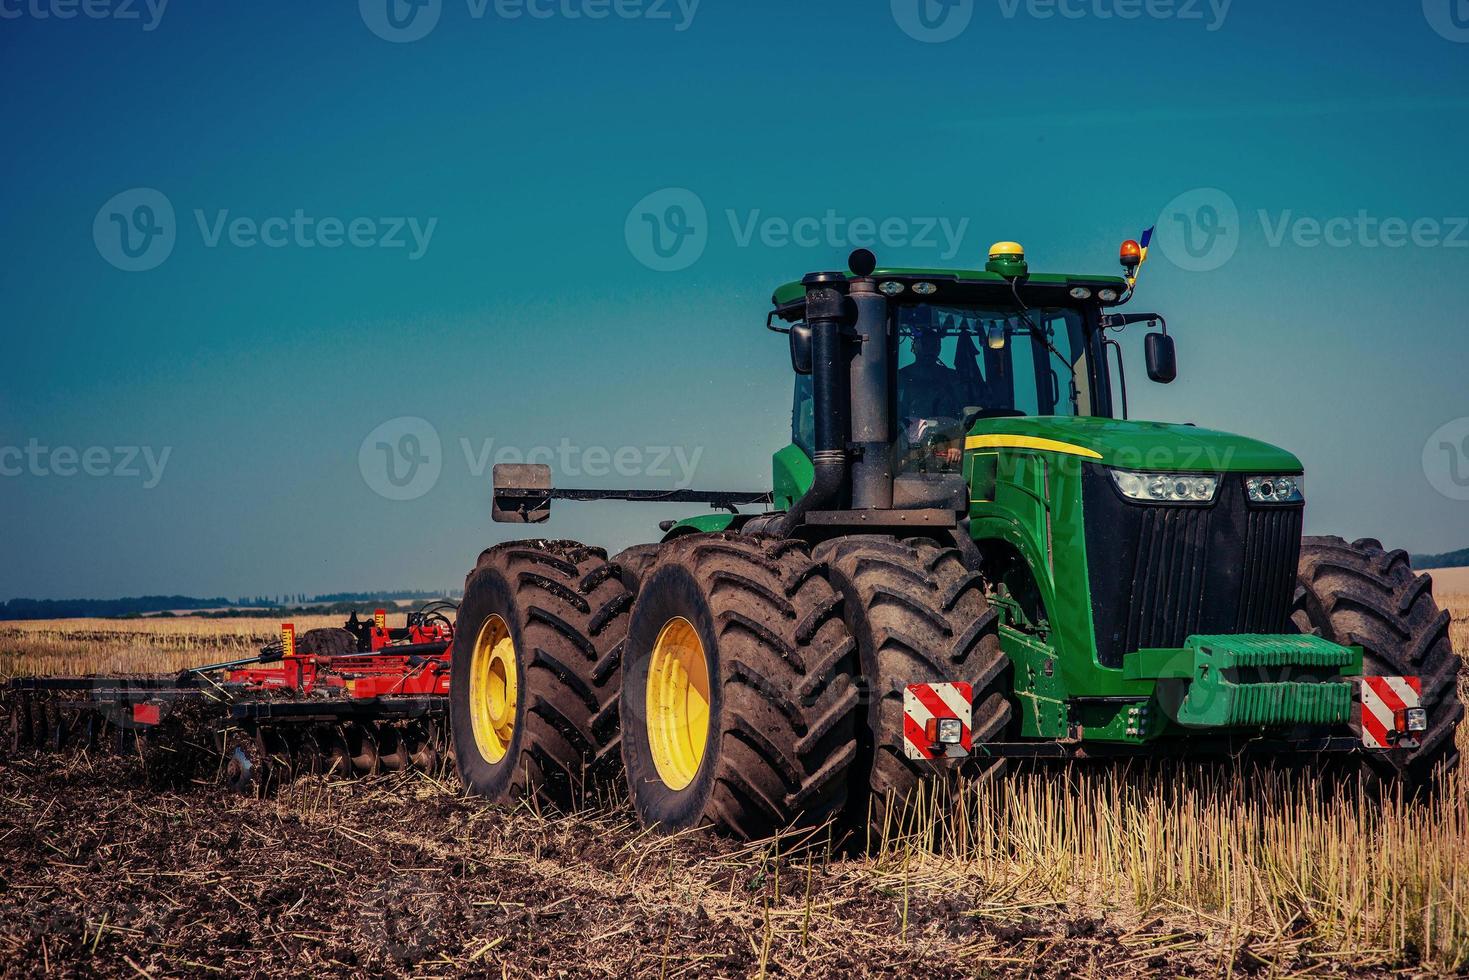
(1082, 872)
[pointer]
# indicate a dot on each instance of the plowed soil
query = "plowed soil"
(403, 876)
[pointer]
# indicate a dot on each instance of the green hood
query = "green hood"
(1136, 445)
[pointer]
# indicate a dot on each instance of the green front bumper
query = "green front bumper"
(1251, 681)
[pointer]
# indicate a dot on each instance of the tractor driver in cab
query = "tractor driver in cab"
(928, 388)
(933, 398)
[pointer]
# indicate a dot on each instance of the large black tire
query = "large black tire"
(567, 613)
(919, 615)
(783, 702)
(326, 643)
(634, 564)
(1361, 594)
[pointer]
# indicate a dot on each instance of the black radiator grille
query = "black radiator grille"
(1168, 576)
(1272, 554)
(1160, 573)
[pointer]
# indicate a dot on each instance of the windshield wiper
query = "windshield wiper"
(1045, 341)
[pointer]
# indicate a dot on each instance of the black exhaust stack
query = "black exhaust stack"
(873, 422)
(827, 316)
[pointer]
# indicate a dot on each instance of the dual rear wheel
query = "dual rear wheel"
(741, 703)
(535, 672)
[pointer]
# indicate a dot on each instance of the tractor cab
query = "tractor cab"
(940, 357)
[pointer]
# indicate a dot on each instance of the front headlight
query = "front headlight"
(1166, 488)
(1276, 489)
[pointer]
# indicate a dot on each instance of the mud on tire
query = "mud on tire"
(783, 705)
(1362, 594)
(918, 614)
(566, 612)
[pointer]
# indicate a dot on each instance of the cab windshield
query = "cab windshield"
(958, 365)
(951, 364)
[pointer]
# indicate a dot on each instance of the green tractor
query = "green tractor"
(969, 556)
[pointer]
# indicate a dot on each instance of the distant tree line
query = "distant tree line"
(104, 608)
(1451, 559)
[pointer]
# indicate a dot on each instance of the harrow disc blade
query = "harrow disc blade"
(422, 742)
(362, 745)
(310, 757)
(393, 752)
(336, 756)
(246, 766)
(21, 734)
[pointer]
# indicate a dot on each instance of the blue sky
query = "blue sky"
(297, 314)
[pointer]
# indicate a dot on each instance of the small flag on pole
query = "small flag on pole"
(1136, 251)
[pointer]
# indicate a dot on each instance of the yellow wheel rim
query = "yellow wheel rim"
(492, 689)
(678, 703)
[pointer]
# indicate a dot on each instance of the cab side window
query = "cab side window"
(803, 415)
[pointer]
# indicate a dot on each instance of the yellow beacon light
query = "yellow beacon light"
(1007, 259)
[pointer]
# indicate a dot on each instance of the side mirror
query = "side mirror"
(801, 348)
(1162, 358)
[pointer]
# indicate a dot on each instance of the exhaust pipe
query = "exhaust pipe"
(826, 315)
(873, 411)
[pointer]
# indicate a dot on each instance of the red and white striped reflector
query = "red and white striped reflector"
(923, 703)
(1385, 700)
